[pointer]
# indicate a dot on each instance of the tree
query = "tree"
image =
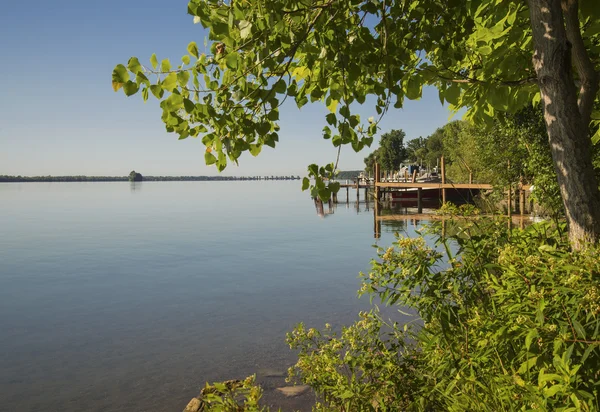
(477, 53)
(135, 177)
(370, 161)
(416, 149)
(391, 150)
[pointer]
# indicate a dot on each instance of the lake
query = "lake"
(128, 297)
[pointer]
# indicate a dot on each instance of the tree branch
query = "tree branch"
(585, 68)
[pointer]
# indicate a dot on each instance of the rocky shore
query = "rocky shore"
(276, 393)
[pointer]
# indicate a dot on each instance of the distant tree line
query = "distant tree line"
(5, 178)
(348, 174)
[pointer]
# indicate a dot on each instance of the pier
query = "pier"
(430, 193)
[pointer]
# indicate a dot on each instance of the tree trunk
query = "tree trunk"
(568, 130)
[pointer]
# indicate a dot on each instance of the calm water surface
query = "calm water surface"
(122, 297)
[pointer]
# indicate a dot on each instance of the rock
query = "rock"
(272, 373)
(193, 406)
(293, 391)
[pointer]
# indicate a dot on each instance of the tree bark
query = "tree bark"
(568, 131)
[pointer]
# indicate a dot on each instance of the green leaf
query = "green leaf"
(188, 105)
(169, 82)
(305, 183)
(345, 111)
(414, 88)
(232, 61)
(529, 338)
(485, 50)
(553, 390)
(130, 88)
(157, 91)
(165, 65)
(596, 137)
(183, 78)
(255, 149)
(120, 74)
(134, 65)
(332, 105)
(209, 158)
(452, 94)
(525, 366)
(185, 59)
(172, 103)
(192, 49)
(331, 119)
(245, 28)
(221, 161)
(280, 86)
(154, 61)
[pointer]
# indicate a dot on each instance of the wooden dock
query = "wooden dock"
(381, 187)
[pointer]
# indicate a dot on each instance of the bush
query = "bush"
(507, 322)
(510, 322)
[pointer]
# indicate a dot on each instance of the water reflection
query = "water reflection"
(135, 187)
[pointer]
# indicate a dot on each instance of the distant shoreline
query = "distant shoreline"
(60, 179)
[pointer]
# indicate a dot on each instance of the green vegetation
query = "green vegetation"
(135, 177)
(509, 322)
(485, 55)
(348, 174)
(390, 153)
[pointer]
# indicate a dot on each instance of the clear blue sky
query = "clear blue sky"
(59, 115)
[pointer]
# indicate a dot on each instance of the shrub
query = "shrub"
(509, 322)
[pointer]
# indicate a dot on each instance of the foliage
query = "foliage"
(135, 177)
(509, 322)
(231, 396)
(391, 150)
(370, 161)
(450, 209)
(348, 174)
(416, 149)
(478, 55)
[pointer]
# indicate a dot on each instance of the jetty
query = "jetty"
(431, 191)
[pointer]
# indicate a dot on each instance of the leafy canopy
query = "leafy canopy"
(342, 53)
(391, 150)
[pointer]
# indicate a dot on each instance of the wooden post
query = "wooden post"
(377, 178)
(376, 222)
(443, 170)
(470, 178)
(522, 201)
(414, 176)
(357, 190)
(419, 200)
(509, 206)
(347, 194)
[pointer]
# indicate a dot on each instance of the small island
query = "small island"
(135, 177)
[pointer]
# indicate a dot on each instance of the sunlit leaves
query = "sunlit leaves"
(120, 76)
(154, 61)
(165, 65)
(338, 54)
(130, 88)
(170, 82)
(192, 49)
(245, 28)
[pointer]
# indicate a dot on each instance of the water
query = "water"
(123, 297)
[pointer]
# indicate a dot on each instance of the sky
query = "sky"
(60, 116)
